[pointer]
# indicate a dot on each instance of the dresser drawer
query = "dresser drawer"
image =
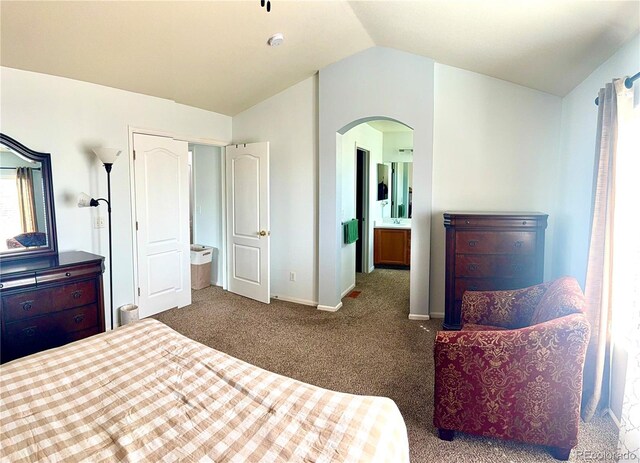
(27, 337)
(62, 274)
(494, 265)
(52, 326)
(46, 300)
(488, 242)
(494, 222)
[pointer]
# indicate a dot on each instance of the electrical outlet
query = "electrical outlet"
(99, 222)
(292, 276)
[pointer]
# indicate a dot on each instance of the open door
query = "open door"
(247, 174)
(161, 173)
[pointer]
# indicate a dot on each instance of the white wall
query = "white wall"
(288, 121)
(579, 126)
(395, 141)
(373, 84)
(67, 118)
(207, 203)
(366, 137)
(495, 149)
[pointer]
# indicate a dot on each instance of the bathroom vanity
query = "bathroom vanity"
(392, 245)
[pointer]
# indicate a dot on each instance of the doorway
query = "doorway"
(362, 208)
(207, 204)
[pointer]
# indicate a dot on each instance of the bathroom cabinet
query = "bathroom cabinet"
(392, 247)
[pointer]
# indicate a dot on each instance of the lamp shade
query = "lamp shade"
(107, 155)
(84, 200)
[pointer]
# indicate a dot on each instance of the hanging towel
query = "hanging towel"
(350, 228)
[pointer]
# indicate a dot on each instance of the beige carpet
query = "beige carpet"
(367, 347)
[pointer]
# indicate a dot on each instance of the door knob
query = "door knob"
(262, 233)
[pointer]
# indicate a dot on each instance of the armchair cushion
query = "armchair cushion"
(507, 309)
(563, 297)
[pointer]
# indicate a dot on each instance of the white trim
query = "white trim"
(415, 316)
(372, 268)
(614, 418)
(328, 308)
(347, 291)
(437, 314)
(295, 300)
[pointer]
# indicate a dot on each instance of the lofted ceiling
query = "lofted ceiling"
(213, 54)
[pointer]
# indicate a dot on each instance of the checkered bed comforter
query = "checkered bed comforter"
(146, 393)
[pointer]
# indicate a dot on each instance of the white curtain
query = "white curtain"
(26, 200)
(626, 259)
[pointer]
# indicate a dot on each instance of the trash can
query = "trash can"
(201, 259)
(128, 313)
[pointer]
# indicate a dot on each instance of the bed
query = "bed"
(146, 393)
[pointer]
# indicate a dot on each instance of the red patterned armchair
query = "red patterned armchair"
(514, 371)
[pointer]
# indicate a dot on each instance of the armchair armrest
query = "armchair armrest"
(507, 309)
(523, 384)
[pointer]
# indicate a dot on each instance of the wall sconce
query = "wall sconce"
(108, 156)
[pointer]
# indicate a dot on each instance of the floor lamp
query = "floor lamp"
(108, 157)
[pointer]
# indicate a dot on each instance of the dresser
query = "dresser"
(490, 251)
(49, 301)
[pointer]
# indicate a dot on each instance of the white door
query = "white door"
(162, 220)
(247, 172)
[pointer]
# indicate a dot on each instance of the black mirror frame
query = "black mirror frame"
(47, 183)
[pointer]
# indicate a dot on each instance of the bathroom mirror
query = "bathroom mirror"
(401, 189)
(27, 215)
(383, 182)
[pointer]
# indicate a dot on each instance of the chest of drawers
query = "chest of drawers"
(490, 251)
(49, 302)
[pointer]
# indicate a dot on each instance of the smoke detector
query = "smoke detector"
(275, 40)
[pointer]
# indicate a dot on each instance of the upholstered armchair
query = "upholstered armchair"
(514, 370)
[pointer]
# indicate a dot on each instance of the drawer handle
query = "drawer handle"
(77, 294)
(467, 222)
(78, 318)
(524, 222)
(27, 305)
(30, 331)
(474, 267)
(473, 287)
(68, 274)
(517, 244)
(472, 243)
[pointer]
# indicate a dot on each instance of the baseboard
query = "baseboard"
(415, 316)
(614, 418)
(371, 269)
(294, 300)
(437, 314)
(328, 308)
(348, 290)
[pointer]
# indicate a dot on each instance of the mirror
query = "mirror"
(383, 182)
(401, 189)
(27, 225)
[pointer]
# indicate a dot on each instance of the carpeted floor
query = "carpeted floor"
(368, 347)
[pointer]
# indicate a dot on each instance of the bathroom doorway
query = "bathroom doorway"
(362, 208)
(376, 175)
(206, 205)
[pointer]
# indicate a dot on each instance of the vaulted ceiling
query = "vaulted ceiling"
(213, 54)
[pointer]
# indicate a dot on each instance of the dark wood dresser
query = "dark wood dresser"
(490, 251)
(49, 301)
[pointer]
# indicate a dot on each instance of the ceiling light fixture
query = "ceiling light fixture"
(275, 40)
(268, 3)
